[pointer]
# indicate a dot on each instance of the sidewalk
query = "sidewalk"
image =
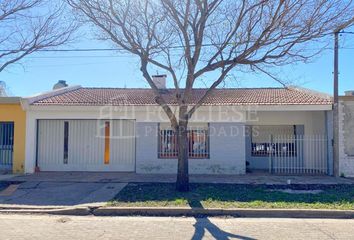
(5, 177)
(42, 194)
(115, 177)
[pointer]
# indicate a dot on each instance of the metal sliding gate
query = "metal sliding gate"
(86, 145)
(6, 145)
(299, 154)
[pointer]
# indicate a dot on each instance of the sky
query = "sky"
(40, 71)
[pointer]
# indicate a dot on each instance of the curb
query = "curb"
(75, 211)
(245, 213)
(188, 212)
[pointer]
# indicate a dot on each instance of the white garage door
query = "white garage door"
(86, 145)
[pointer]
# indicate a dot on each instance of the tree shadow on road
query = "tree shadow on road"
(203, 224)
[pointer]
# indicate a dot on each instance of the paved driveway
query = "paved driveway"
(60, 193)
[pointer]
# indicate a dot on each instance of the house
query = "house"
(281, 130)
(12, 135)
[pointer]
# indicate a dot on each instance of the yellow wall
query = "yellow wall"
(14, 113)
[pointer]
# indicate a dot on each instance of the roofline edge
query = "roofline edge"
(311, 91)
(26, 101)
(10, 100)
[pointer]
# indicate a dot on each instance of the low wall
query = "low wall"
(346, 136)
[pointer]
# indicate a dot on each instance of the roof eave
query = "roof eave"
(10, 100)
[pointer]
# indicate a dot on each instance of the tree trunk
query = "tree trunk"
(182, 183)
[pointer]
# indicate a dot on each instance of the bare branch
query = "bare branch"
(24, 30)
(191, 38)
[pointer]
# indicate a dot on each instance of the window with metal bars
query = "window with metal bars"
(283, 141)
(6, 133)
(198, 143)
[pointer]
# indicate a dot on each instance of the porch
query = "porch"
(289, 150)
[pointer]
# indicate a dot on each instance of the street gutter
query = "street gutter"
(189, 212)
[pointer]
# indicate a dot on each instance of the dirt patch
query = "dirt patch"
(292, 191)
(9, 190)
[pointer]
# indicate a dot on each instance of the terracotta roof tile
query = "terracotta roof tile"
(140, 96)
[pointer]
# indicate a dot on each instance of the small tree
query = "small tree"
(3, 89)
(192, 38)
(28, 26)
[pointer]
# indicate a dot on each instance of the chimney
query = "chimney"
(349, 93)
(60, 84)
(160, 81)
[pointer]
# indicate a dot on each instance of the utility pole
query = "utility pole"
(335, 142)
(336, 107)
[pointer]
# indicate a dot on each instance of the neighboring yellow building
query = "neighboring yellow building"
(12, 134)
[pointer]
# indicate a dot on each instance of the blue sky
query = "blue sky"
(38, 72)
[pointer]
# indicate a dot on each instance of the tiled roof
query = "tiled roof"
(140, 96)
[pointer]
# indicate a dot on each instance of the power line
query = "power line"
(130, 56)
(346, 32)
(122, 49)
(114, 49)
(76, 56)
(70, 50)
(67, 65)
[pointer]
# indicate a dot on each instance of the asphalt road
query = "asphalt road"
(89, 227)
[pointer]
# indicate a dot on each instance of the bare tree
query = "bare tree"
(27, 26)
(3, 89)
(190, 39)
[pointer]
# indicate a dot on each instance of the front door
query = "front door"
(6, 145)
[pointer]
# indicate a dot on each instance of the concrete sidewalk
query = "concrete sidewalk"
(115, 177)
(5, 177)
(58, 194)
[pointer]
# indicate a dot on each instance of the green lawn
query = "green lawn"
(231, 196)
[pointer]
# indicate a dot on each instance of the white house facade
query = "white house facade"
(124, 130)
